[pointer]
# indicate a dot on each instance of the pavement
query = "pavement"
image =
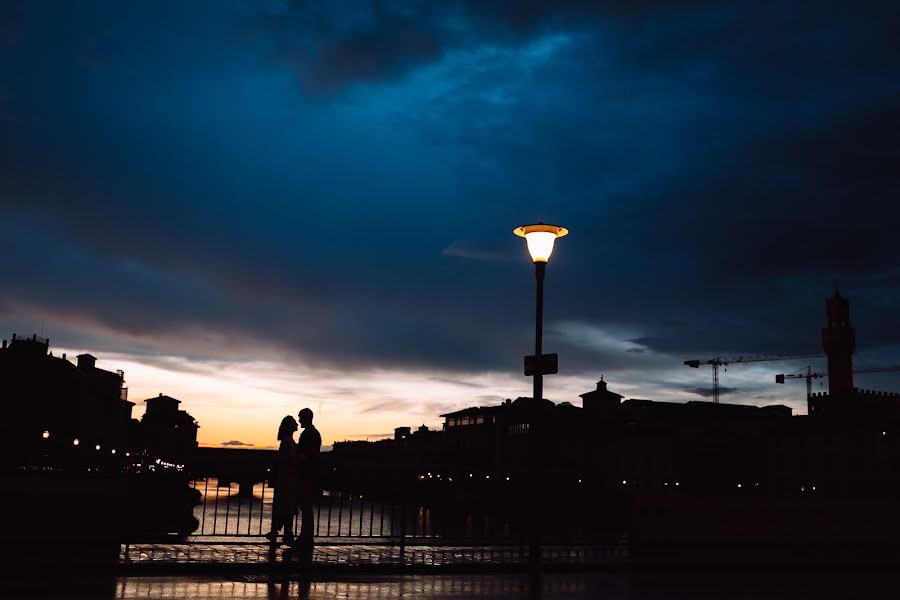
(149, 559)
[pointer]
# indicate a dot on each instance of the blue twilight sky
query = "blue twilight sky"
(257, 204)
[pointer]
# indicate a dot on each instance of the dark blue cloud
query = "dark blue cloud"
(340, 180)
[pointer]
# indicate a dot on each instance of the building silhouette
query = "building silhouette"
(56, 408)
(63, 414)
(167, 433)
(839, 343)
(843, 400)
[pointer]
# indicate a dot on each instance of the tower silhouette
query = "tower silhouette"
(839, 343)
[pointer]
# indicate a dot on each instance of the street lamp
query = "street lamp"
(540, 238)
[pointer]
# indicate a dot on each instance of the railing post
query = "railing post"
(534, 500)
(404, 500)
(205, 498)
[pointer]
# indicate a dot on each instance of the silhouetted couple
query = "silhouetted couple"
(296, 481)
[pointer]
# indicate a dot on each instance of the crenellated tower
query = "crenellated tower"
(839, 343)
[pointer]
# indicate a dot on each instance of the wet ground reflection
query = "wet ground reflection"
(609, 586)
(660, 585)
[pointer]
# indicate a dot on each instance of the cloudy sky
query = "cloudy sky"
(256, 206)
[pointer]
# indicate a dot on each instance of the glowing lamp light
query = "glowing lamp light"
(540, 238)
(75, 442)
(97, 447)
(45, 435)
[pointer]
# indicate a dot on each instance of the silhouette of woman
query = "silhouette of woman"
(284, 505)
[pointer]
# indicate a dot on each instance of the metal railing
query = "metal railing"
(209, 511)
(223, 513)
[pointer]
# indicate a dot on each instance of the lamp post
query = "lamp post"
(540, 238)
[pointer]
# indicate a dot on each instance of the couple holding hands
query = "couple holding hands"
(296, 481)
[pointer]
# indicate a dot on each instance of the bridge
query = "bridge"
(244, 466)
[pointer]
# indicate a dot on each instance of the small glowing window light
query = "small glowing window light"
(113, 451)
(45, 435)
(676, 483)
(507, 478)
(540, 238)
(739, 485)
(75, 442)
(624, 482)
(97, 447)
(487, 476)
(884, 433)
(579, 481)
(128, 454)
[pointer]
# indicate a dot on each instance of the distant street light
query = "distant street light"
(45, 435)
(540, 238)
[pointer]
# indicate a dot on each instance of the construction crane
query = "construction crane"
(809, 375)
(727, 360)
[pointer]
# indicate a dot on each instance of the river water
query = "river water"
(223, 512)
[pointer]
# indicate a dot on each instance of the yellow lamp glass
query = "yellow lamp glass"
(540, 245)
(540, 238)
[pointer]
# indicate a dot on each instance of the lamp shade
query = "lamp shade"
(540, 238)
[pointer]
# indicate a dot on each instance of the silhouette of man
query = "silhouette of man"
(308, 447)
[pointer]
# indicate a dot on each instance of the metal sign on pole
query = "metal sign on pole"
(545, 364)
